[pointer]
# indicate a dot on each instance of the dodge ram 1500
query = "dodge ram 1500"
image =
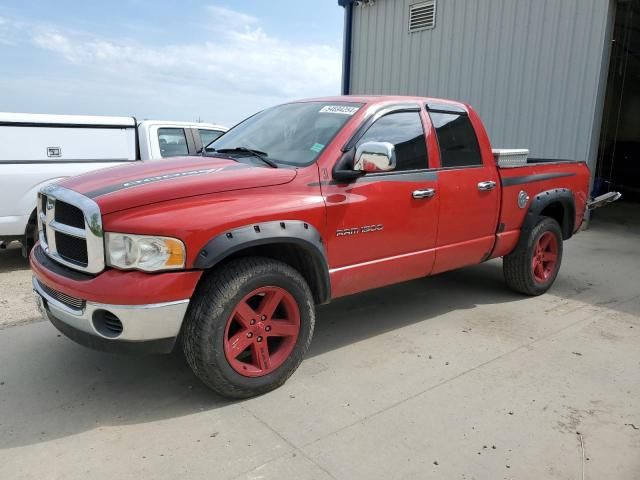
(226, 254)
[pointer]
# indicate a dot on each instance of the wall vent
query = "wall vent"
(422, 16)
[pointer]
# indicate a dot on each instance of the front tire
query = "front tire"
(533, 266)
(249, 325)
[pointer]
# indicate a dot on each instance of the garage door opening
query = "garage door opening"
(618, 166)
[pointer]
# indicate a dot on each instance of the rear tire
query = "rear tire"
(533, 266)
(248, 327)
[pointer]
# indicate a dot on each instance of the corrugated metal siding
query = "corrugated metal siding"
(530, 67)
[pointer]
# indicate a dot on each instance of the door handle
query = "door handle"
(486, 186)
(426, 193)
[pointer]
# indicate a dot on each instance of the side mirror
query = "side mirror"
(375, 157)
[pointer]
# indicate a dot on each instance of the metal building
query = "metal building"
(560, 77)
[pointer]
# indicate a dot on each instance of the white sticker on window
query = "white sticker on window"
(342, 109)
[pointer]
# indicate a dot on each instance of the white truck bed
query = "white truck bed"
(37, 149)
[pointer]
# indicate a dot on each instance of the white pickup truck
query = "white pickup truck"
(39, 149)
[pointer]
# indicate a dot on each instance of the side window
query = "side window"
(457, 140)
(173, 142)
(404, 130)
(208, 136)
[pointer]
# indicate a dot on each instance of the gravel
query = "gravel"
(16, 301)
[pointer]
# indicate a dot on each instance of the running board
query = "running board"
(603, 200)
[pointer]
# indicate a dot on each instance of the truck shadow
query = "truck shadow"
(368, 314)
(11, 259)
(64, 389)
(51, 388)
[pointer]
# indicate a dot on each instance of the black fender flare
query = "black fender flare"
(284, 232)
(564, 197)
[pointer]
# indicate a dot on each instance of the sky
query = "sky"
(218, 61)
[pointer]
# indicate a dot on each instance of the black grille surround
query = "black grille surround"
(67, 300)
(69, 215)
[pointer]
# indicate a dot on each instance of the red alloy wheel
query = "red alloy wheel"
(545, 257)
(262, 331)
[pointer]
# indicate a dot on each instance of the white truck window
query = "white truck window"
(173, 142)
(208, 136)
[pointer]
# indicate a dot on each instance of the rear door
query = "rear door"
(468, 189)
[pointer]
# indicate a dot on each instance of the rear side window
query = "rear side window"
(208, 136)
(457, 140)
(173, 142)
(404, 130)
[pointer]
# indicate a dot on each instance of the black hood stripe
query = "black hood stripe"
(159, 178)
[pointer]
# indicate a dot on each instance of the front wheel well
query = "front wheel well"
(297, 257)
(30, 233)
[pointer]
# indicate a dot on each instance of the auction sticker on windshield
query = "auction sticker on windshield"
(342, 109)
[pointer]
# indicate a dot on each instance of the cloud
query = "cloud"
(60, 44)
(228, 18)
(6, 32)
(231, 73)
(245, 59)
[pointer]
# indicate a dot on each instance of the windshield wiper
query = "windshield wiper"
(203, 151)
(256, 153)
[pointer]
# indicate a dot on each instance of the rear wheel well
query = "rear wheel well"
(297, 257)
(559, 212)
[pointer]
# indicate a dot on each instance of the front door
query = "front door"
(383, 225)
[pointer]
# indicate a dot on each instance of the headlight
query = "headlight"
(142, 252)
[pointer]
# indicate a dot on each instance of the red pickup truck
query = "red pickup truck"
(225, 254)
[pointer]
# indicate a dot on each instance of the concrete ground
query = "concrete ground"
(451, 377)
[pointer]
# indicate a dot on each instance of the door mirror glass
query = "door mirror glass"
(375, 157)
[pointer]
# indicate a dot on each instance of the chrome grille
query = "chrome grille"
(70, 229)
(67, 300)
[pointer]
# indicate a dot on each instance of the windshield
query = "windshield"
(292, 134)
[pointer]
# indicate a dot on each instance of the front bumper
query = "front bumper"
(150, 328)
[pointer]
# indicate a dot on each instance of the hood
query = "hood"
(150, 181)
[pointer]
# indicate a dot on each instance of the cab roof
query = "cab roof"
(43, 119)
(382, 99)
(47, 119)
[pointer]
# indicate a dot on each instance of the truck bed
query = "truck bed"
(531, 180)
